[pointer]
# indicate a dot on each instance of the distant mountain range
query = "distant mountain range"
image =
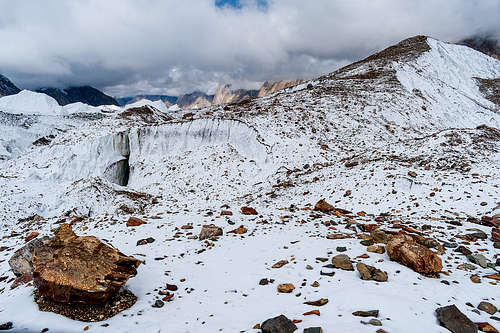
(84, 94)
(195, 100)
(169, 100)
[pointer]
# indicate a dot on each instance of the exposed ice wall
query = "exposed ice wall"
(111, 156)
(174, 139)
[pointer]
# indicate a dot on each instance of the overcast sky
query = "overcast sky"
(174, 46)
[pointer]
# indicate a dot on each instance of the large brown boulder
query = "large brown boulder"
(80, 268)
(405, 250)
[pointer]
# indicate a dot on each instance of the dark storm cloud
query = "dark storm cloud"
(172, 46)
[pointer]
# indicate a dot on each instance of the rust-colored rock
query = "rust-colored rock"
(248, 211)
(491, 221)
(286, 288)
(80, 268)
(134, 222)
(240, 230)
(280, 264)
(312, 312)
(412, 174)
(226, 213)
(405, 250)
(486, 327)
(495, 234)
(323, 206)
(31, 236)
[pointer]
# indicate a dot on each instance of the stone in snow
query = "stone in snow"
(405, 250)
(80, 268)
(280, 324)
(487, 307)
(371, 273)
(209, 231)
(370, 313)
(342, 261)
(454, 320)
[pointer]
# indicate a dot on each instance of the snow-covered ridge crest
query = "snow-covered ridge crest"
(446, 74)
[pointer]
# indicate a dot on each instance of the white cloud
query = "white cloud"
(172, 46)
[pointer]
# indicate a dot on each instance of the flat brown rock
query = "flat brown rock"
(134, 222)
(405, 250)
(71, 268)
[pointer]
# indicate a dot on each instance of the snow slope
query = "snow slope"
(29, 102)
(413, 107)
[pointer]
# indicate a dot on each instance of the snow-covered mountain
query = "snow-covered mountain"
(406, 139)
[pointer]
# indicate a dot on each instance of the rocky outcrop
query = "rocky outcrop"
(194, 100)
(7, 87)
(224, 95)
(80, 268)
(84, 94)
(272, 87)
(405, 250)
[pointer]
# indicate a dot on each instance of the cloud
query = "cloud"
(171, 46)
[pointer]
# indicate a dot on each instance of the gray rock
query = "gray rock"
(342, 261)
(478, 234)
(209, 231)
(371, 273)
(450, 245)
(373, 322)
(280, 324)
(454, 320)
(379, 236)
(487, 307)
(313, 330)
(478, 259)
(20, 262)
(6, 326)
(371, 313)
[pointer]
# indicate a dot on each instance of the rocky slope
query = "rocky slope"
(403, 145)
(224, 95)
(7, 87)
(272, 87)
(194, 100)
(83, 94)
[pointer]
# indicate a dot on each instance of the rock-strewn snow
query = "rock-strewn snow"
(422, 163)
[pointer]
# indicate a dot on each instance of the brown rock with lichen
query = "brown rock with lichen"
(405, 250)
(80, 268)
